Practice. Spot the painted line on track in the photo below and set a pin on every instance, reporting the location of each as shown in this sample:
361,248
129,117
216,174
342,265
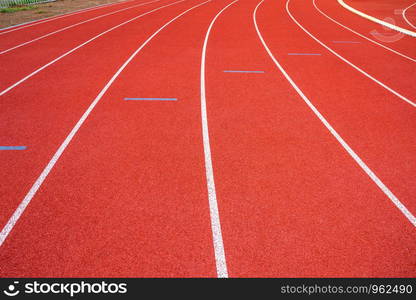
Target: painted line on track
404,15
340,140
347,61
13,147
151,99
81,45
361,35
74,25
368,17
56,17
39,181
219,252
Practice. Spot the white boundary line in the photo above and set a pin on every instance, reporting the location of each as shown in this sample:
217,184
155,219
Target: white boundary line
74,25
351,152
347,61
29,196
404,15
219,252
56,17
361,35
386,24
79,46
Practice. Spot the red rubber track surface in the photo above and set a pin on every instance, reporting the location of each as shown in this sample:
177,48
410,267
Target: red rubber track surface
288,213
126,226
48,109
390,38
47,49
128,197
399,74
383,121
387,10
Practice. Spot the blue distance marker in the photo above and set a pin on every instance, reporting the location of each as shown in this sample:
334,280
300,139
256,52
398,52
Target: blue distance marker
304,54
12,147
346,42
150,99
231,71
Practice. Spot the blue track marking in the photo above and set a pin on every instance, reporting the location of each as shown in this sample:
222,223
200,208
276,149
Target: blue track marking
304,54
232,71
150,99
12,147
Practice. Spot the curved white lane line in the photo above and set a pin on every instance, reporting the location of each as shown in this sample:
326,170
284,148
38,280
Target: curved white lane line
347,61
79,46
361,35
219,252
404,15
53,18
29,196
344,144
386,24
74,25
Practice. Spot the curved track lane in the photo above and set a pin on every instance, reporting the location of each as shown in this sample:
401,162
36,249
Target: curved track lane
390,38
287,190
208,140
147,215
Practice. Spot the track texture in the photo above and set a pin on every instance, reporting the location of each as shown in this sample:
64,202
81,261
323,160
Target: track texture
114,188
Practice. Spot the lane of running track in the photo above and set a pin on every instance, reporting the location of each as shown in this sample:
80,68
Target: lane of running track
42,111
390,38
129,197
23,26
36,55
15,37
396,72
78,15
376,37
292,201
378,123
37,22
389,10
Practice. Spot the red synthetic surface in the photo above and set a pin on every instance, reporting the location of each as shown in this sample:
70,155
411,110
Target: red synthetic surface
128,197
45,50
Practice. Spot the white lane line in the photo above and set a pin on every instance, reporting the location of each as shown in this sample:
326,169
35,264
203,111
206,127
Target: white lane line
361,35
347,61
81,45
53,18
29,196
368,17
404,15
74,25
219,252
344,144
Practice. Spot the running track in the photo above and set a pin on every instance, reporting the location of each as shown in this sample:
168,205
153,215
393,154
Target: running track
276,143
